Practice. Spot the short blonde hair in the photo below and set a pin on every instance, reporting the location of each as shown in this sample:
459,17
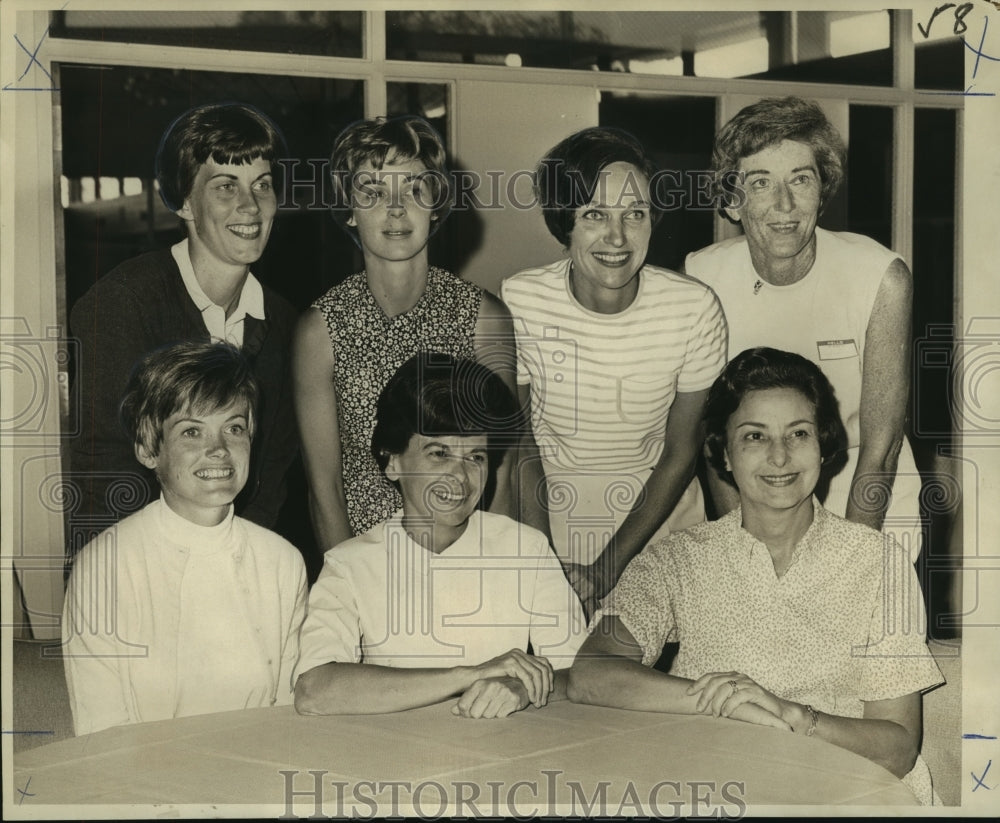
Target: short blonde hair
185,375
384,140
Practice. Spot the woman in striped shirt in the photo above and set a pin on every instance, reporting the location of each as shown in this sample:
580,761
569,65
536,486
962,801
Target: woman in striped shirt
615,358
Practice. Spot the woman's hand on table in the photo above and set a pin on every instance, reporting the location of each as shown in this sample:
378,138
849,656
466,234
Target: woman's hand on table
733,694
534,673
492,697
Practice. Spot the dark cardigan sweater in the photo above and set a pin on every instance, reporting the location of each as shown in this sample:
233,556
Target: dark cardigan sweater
138,306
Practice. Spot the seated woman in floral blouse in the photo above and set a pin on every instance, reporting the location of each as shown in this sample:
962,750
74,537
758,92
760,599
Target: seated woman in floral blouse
786,615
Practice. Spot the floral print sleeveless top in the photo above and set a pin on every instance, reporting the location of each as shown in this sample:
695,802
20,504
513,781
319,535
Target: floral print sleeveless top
368,348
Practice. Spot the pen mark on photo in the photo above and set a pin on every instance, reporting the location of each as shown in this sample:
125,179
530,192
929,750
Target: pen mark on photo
32,61
980,54
980,780
25,793
978,737
959,25
959,30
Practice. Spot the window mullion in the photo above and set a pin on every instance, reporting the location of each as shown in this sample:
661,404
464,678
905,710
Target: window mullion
376,95
902,159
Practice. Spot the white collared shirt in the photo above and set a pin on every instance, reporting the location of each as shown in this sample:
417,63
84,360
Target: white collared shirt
382,598
220,327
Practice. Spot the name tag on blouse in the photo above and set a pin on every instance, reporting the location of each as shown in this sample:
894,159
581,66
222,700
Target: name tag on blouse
836,349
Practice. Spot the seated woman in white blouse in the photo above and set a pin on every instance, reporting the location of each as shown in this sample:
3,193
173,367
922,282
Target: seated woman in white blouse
786,614
183,608
442,599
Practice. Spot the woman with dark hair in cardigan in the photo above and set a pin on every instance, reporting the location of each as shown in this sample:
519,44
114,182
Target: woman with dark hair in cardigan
215,170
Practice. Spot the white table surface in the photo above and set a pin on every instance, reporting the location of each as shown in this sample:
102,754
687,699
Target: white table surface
562,759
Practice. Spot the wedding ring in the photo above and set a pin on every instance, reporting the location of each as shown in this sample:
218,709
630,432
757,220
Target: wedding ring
735,688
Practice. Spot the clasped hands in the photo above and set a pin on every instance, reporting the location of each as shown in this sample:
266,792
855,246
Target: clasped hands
589,582
506,684
735,695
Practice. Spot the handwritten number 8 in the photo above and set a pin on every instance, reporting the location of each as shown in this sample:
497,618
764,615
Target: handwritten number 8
960,14
960,26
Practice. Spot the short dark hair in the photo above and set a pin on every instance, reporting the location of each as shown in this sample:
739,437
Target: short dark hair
567,177
382,140
765,368
235,133
437,394
195,375
768,122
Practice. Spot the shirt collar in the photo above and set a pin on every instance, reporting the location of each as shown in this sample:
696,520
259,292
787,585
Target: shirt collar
191,537
251,300
743,541
467,545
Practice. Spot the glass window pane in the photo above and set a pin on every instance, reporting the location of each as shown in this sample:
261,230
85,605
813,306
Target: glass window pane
933,415
934,174
940,65
549,39
329,33
869,172
939,57
428,100
747,57
858,33
683,157
829,47
640,42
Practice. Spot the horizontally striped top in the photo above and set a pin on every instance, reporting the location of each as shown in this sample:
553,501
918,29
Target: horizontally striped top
602,384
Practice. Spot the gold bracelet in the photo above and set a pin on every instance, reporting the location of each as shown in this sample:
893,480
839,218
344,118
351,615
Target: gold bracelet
813,717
